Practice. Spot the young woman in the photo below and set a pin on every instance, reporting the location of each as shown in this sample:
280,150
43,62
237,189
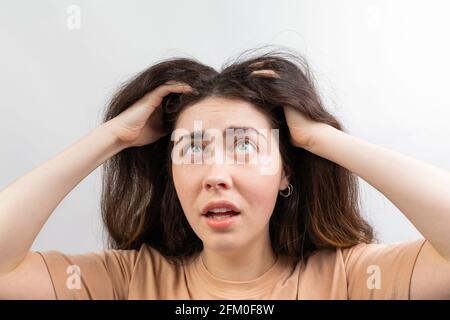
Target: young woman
187,220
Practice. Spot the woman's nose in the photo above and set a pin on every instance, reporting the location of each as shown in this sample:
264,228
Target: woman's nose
217,178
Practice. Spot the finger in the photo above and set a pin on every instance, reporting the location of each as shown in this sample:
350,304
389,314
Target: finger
155,97
266,72
165,89
174,83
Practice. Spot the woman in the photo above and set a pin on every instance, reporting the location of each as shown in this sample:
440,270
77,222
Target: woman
236,184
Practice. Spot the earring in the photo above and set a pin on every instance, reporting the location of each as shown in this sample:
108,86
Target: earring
290,190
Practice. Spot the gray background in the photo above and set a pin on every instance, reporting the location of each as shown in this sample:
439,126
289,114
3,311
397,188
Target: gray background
382,69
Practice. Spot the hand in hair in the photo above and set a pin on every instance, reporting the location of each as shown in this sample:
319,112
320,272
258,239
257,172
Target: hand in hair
302,130
140,124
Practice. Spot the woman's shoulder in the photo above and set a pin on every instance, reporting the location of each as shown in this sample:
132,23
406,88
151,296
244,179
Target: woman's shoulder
360,258
104,274
367,270
364,250
382,251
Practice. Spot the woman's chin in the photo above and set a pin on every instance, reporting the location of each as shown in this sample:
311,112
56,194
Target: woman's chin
222,245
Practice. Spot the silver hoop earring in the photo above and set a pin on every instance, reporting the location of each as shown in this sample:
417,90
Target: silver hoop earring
290,190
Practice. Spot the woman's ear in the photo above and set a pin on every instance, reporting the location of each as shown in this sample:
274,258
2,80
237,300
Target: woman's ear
284,181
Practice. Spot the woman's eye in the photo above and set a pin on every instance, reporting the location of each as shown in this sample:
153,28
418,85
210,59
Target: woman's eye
245,145
196,148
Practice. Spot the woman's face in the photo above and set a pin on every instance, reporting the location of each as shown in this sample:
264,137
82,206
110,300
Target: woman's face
229,167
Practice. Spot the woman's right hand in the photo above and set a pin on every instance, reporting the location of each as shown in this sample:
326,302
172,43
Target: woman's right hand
141,123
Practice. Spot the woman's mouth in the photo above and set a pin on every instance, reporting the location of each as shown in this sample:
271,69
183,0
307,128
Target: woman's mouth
222,219
220,214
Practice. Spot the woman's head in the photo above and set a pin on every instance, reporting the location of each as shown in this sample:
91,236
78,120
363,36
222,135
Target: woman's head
149,196
230,166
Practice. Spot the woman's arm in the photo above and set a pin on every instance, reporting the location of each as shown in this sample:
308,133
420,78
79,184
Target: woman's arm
26,204
421,191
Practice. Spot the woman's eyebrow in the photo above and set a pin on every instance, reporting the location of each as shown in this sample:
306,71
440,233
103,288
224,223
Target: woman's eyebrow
244,128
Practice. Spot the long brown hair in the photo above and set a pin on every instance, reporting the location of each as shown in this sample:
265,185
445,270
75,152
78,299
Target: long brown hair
139,201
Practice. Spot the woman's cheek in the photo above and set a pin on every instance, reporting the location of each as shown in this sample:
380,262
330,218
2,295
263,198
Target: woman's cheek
262,196
183,187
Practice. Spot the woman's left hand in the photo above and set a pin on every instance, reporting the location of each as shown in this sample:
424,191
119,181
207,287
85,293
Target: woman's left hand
303,131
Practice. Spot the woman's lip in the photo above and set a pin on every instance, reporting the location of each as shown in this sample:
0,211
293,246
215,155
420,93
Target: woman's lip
220,204
221,224
210,213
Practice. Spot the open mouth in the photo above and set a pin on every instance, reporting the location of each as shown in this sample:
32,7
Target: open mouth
221,215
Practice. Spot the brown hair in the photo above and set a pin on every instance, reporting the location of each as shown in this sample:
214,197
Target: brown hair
139,201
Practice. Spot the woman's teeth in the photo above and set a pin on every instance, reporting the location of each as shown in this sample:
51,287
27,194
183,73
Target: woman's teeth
218,210
220,217
221,213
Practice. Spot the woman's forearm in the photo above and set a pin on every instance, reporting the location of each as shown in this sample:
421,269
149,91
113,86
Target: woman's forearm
26,204
419,190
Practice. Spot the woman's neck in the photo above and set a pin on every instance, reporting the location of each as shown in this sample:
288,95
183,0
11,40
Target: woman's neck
243,265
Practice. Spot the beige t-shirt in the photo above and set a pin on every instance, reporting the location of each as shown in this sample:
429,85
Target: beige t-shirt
364,271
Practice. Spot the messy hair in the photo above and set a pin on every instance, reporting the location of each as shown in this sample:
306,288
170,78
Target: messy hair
139,202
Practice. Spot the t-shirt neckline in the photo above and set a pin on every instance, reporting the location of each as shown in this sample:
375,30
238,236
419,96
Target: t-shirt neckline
246,288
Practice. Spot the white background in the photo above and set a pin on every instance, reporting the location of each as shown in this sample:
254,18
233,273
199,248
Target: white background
382,68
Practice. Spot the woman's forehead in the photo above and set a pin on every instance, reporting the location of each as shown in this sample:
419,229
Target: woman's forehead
221,113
